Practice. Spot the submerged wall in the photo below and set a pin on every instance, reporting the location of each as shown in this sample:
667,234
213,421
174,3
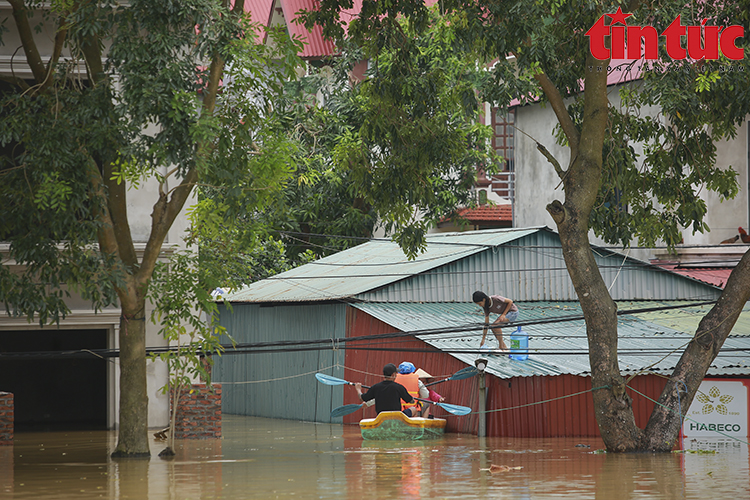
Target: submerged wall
6,418
199,413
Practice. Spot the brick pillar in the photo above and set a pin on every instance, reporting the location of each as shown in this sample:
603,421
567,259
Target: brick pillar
199,413
6,418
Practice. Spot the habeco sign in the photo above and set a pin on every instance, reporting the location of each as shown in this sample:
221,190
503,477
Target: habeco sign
635,42
718,410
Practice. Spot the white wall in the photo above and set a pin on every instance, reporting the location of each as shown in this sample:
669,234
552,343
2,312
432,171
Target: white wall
537,184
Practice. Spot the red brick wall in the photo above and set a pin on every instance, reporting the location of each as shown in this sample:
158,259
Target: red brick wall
199,413
6,418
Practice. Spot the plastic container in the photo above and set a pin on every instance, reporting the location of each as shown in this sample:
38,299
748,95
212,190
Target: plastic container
519,345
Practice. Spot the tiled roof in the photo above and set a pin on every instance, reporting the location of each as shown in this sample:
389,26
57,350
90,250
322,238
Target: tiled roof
488,213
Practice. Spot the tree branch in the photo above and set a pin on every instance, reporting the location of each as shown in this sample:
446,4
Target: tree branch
107,240
25,32
165,212
540,147
561,112
60,35
117,204
14,80
92,54
107,235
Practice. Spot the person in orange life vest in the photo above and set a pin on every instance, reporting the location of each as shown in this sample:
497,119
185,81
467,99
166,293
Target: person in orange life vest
426,392
408,377
387,394
496,304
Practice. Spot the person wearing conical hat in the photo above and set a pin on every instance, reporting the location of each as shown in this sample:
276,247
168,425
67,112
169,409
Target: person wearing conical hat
427,393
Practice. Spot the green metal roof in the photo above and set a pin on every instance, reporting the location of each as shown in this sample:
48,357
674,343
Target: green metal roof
560,347
369,266
526,264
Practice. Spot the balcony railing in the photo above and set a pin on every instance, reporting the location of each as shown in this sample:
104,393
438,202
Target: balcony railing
504,185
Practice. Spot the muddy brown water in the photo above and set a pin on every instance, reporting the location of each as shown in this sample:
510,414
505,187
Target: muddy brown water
267,458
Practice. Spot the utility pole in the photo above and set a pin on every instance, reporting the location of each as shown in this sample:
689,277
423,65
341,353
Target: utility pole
481,364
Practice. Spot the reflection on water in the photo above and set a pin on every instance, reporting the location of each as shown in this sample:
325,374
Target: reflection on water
265,458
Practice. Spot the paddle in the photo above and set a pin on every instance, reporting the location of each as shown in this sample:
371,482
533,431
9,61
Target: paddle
461,374
329,380
351,408
345,410
454,409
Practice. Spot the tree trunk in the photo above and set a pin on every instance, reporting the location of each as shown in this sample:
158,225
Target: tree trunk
664,425
614,413
132,439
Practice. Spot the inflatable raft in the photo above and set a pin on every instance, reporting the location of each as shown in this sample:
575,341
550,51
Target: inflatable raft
394,425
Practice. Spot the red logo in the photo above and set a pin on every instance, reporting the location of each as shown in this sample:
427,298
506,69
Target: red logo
703,42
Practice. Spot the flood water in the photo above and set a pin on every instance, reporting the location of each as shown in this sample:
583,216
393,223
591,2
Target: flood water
267,458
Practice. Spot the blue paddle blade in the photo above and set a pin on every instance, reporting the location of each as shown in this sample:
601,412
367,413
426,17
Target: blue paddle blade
454,409
467,372
345,410
461,374
329,380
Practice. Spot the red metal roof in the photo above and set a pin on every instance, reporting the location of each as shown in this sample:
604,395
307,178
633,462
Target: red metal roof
716,276
260,12
316,45
488,213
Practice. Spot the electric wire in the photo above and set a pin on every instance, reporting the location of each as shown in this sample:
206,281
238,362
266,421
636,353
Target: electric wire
357,342
365,239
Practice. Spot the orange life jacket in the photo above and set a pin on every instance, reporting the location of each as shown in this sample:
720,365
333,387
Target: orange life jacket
411,382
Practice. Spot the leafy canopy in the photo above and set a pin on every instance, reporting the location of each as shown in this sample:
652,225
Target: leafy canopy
656,163
74,143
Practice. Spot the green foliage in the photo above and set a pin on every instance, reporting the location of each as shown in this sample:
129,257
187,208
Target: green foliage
148,128
656,165
413,152
186,315
188,319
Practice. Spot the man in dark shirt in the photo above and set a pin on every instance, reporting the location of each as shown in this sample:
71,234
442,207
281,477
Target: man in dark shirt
388,393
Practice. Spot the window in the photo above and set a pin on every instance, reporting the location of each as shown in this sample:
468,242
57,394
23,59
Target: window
503,121
482,198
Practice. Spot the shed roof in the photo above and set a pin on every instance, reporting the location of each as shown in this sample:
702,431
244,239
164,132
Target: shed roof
524,263
650,341
369,266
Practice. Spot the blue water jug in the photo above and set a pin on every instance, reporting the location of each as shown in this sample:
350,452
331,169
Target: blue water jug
519,345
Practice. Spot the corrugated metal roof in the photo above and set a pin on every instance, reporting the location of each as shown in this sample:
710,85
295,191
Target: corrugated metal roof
523,263
645,339
260,13
370,266
714,276
315,45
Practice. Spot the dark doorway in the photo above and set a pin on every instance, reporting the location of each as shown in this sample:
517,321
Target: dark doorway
51,389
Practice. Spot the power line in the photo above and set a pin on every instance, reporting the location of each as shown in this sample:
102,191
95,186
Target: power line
488,245
341,343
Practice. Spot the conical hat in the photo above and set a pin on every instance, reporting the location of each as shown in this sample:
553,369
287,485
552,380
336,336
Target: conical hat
422,374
